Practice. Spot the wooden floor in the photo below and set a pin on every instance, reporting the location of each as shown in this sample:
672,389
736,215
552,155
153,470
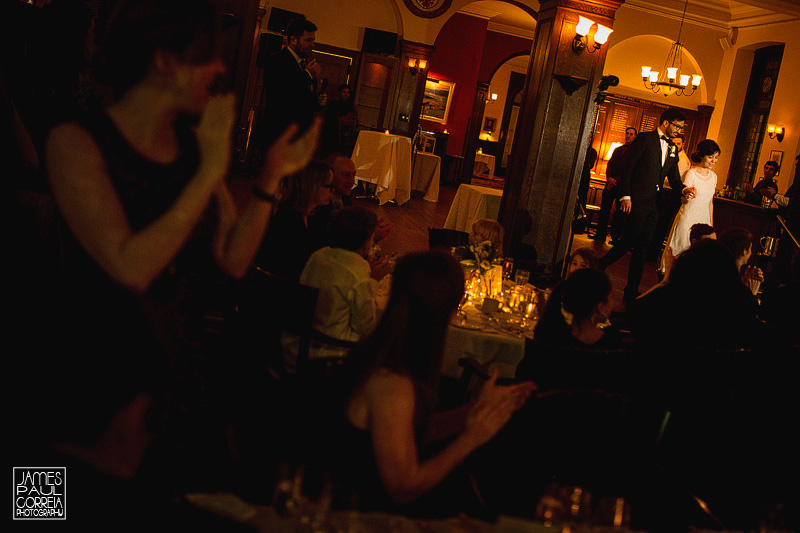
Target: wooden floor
410,234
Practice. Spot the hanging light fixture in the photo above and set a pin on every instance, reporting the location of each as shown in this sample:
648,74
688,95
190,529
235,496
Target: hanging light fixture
671,80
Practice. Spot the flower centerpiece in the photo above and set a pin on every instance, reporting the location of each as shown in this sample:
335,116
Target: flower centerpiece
478,260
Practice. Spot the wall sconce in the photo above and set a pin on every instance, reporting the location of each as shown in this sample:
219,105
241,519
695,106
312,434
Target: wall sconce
415,66
581,40
491,98
775,132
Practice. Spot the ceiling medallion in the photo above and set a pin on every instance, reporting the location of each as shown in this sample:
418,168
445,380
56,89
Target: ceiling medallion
428,8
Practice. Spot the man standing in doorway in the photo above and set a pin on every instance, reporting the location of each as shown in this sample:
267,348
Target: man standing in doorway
613,170
651,158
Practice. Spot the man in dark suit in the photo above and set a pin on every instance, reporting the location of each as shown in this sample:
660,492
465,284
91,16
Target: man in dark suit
613,169
651,158
290,84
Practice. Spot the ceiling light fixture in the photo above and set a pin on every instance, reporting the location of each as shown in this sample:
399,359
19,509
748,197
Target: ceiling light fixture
670,80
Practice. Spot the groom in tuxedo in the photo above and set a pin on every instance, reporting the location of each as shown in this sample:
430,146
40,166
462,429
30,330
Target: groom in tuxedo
651,158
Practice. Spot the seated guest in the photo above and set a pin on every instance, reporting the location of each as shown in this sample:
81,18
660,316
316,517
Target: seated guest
701,231
576,314
344,179
697,232
289,242
739,243
582,258
485,229
389,411
704,281
346,281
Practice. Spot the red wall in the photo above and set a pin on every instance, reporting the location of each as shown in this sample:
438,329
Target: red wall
467,53
457,57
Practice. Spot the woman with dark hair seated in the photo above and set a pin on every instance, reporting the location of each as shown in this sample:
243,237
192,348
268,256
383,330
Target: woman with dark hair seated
576,315
390,410
289,242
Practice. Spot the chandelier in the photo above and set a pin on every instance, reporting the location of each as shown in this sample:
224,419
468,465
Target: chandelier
671,80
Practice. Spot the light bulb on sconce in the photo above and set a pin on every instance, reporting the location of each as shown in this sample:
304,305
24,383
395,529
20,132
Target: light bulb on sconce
415,66
492,98
581,40
775,131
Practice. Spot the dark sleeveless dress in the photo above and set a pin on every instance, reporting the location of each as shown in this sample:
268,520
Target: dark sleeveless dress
177,303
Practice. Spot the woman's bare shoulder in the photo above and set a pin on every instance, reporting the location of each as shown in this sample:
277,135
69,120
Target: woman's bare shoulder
385,382
71,139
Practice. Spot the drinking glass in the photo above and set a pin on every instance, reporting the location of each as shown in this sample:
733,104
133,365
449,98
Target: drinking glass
522,277
508,267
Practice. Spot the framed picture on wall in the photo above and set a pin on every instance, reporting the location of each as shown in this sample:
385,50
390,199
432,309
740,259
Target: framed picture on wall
776,155
436,99
489,123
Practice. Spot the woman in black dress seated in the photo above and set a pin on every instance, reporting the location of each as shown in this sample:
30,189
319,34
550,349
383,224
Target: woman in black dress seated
289,242
389,412
576,315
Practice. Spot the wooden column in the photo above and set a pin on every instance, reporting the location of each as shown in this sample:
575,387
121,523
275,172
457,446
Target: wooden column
408,101
554,127
474,130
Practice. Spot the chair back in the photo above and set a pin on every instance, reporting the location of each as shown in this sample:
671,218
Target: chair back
446,238
274,305
427,143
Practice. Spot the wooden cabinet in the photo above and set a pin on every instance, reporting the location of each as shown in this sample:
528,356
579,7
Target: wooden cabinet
376,85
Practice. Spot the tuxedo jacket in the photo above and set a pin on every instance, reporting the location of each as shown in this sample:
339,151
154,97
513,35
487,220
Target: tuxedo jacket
289,95
642,172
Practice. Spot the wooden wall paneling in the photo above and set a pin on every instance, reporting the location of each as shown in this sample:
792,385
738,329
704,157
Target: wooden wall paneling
339,65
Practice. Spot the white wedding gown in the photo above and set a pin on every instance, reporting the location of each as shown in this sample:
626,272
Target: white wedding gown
694,211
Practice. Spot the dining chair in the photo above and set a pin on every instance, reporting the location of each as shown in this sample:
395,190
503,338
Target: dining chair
446,238
274,305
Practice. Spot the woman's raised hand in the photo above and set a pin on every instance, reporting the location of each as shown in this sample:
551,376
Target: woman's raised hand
213,134
495,406
290,153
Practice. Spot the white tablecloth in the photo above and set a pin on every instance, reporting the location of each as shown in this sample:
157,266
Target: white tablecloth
501,350
470,203
425,177
484,165
384,160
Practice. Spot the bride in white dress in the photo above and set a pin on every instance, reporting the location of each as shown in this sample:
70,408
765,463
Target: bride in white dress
699,209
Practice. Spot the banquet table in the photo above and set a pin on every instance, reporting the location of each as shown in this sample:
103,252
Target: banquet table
425,176
384,160
495,348
471,203
484,166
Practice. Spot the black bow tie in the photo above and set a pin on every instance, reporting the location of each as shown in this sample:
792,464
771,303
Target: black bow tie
664,138
303,64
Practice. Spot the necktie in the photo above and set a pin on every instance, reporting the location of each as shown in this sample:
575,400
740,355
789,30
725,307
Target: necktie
303,64
664,138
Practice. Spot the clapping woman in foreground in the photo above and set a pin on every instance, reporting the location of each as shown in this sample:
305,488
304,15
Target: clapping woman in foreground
390,411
